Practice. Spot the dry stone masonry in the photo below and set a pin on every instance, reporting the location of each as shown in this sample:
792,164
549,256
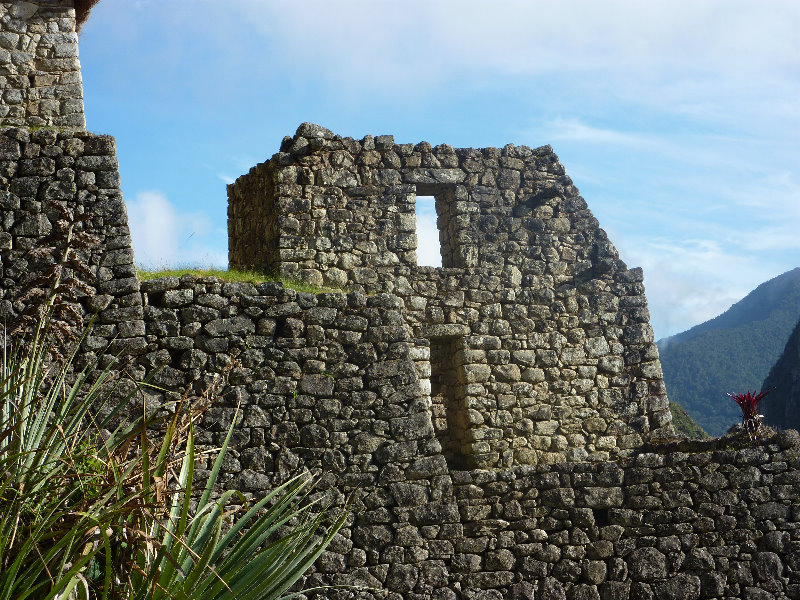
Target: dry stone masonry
499,422
331,382
40,73
38,168
535,334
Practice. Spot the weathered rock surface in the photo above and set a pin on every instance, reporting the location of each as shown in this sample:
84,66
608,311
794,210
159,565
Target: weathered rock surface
39,67
534,337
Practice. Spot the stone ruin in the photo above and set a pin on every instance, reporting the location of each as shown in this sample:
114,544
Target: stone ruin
533,337
497,421
40,74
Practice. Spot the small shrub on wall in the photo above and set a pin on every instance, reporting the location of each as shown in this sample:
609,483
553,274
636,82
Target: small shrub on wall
82,10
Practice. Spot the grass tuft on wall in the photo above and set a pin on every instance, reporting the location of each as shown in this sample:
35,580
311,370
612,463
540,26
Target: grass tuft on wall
236,276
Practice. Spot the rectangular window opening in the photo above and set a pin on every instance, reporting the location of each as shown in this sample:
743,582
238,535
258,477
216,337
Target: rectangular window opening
429,250
435,233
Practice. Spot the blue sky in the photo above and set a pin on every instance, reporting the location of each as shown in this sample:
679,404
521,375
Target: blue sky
679,121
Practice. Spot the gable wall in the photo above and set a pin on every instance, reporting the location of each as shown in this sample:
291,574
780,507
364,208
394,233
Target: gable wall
553,353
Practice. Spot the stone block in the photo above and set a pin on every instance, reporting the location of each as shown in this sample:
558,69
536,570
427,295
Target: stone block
647,564
413,427
682,586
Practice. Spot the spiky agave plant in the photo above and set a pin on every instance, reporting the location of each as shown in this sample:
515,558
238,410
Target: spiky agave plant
191,555
751,419
50,502
88,516
84,518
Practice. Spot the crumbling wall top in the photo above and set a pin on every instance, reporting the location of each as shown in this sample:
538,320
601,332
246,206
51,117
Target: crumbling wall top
83,9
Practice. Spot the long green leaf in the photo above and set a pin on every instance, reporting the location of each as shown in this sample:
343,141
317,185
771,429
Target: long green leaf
212,479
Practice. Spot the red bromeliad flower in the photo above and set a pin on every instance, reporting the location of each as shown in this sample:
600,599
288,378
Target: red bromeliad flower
749,404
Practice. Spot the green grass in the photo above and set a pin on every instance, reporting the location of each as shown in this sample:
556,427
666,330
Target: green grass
236,276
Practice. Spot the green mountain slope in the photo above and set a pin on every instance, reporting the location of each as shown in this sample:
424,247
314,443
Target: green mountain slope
782,407
684,425
730,353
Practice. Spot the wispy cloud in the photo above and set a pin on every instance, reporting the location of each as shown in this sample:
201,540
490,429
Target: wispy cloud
691,280
698,147
670,53
165,237
574,130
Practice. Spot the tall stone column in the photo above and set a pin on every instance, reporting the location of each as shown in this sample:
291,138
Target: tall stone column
40,74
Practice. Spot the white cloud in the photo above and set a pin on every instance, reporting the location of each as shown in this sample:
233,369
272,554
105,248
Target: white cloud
575,130
153,221
721,212
163,237
692,280
701,150
774,193
673,53
681,32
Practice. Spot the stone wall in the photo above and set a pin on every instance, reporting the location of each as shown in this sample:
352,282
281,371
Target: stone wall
78,170
40,74
334,210
543,372
528,355
335,382
679,521
549,353
523,374
253,225
490,412
326,381
360,388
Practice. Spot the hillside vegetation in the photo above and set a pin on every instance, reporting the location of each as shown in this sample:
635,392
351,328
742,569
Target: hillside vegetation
782,407
684,425
731,353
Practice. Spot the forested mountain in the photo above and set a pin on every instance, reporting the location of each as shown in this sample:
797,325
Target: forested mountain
684,424
782,407
731,353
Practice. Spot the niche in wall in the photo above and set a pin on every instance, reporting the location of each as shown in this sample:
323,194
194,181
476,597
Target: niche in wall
447,401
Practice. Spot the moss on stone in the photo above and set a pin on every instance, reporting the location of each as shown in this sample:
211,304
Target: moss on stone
235,276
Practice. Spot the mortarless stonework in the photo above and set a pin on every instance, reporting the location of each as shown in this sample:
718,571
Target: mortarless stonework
528,355
80,170
538,329
40,74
